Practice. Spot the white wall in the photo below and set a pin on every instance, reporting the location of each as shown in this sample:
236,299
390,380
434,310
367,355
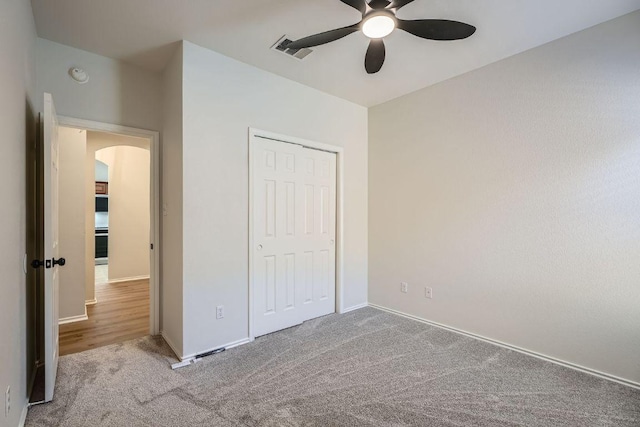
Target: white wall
222,99
513,191
171,266
72,152
129,212
102,172
17,79
90,218
116,93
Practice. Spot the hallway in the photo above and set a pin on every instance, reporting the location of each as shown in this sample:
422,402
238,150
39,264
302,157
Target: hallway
121,314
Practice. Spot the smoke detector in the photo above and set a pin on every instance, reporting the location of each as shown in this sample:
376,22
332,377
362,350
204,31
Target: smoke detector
79,75
281,46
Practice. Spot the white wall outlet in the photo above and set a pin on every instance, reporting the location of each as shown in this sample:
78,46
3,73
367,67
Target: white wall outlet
7,402
404,287
220,312
428,292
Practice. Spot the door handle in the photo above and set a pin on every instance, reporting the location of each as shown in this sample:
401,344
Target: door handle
36,263
259,247
61,262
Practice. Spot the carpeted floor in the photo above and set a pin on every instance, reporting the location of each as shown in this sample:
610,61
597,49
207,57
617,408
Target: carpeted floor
364,368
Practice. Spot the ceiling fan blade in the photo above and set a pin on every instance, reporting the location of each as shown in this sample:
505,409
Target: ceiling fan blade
397,4
378,4
360,5
375,56
437,29
322,38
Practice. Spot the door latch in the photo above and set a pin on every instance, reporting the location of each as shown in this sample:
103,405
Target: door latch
48,263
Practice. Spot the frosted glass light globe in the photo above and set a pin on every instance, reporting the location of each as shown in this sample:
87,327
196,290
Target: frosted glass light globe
378,26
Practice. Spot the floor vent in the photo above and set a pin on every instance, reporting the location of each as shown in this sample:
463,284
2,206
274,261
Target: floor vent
281,46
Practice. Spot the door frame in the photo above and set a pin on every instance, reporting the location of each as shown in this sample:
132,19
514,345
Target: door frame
255,134
154,235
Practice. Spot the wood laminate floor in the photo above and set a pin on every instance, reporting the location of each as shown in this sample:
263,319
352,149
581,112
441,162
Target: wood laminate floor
121,314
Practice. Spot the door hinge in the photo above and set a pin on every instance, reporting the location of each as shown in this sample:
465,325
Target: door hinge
151,246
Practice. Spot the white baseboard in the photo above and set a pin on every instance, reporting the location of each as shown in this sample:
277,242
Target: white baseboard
189,360
74,319
355,307
23,416
227,346
544,357
91,301
238,343
128,279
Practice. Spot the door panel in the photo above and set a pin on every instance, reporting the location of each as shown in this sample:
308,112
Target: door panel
294,209
50,166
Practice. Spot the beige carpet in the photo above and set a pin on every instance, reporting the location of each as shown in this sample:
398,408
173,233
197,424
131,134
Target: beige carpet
365,368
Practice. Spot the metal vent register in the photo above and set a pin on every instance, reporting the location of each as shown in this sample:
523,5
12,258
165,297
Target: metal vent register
281,46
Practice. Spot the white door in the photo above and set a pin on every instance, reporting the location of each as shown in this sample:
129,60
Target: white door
51,256
294,232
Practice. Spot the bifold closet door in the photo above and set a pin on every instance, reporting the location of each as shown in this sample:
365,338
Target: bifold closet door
294,234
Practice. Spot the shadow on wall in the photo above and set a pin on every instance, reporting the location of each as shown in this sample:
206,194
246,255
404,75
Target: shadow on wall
155,59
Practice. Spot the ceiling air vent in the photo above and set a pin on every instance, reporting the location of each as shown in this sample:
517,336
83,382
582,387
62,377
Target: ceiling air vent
281,46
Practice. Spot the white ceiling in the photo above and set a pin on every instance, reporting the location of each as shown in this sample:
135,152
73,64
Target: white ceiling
144,32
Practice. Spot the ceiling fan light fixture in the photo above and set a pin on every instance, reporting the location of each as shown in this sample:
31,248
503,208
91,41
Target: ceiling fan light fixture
378,25
378,21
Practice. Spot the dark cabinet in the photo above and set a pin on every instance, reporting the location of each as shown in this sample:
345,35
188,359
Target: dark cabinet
102,245
102,204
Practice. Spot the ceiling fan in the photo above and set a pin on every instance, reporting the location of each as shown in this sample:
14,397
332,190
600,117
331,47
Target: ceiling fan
378,21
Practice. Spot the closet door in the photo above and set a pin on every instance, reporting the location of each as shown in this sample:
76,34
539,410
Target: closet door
294,232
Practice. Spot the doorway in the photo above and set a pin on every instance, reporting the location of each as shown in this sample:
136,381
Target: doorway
295,267
47,261
104,223
120,295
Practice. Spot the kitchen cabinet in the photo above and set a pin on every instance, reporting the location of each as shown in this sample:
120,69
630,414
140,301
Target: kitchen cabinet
102,187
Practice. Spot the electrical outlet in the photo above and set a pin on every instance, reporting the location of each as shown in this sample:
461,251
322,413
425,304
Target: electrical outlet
428,292
7,402
404,287
220,312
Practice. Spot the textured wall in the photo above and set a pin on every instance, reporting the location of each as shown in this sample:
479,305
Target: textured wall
17,136
223,98
71,199
172,254
514,192
116,93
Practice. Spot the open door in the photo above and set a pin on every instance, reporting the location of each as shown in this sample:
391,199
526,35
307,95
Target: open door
51,260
